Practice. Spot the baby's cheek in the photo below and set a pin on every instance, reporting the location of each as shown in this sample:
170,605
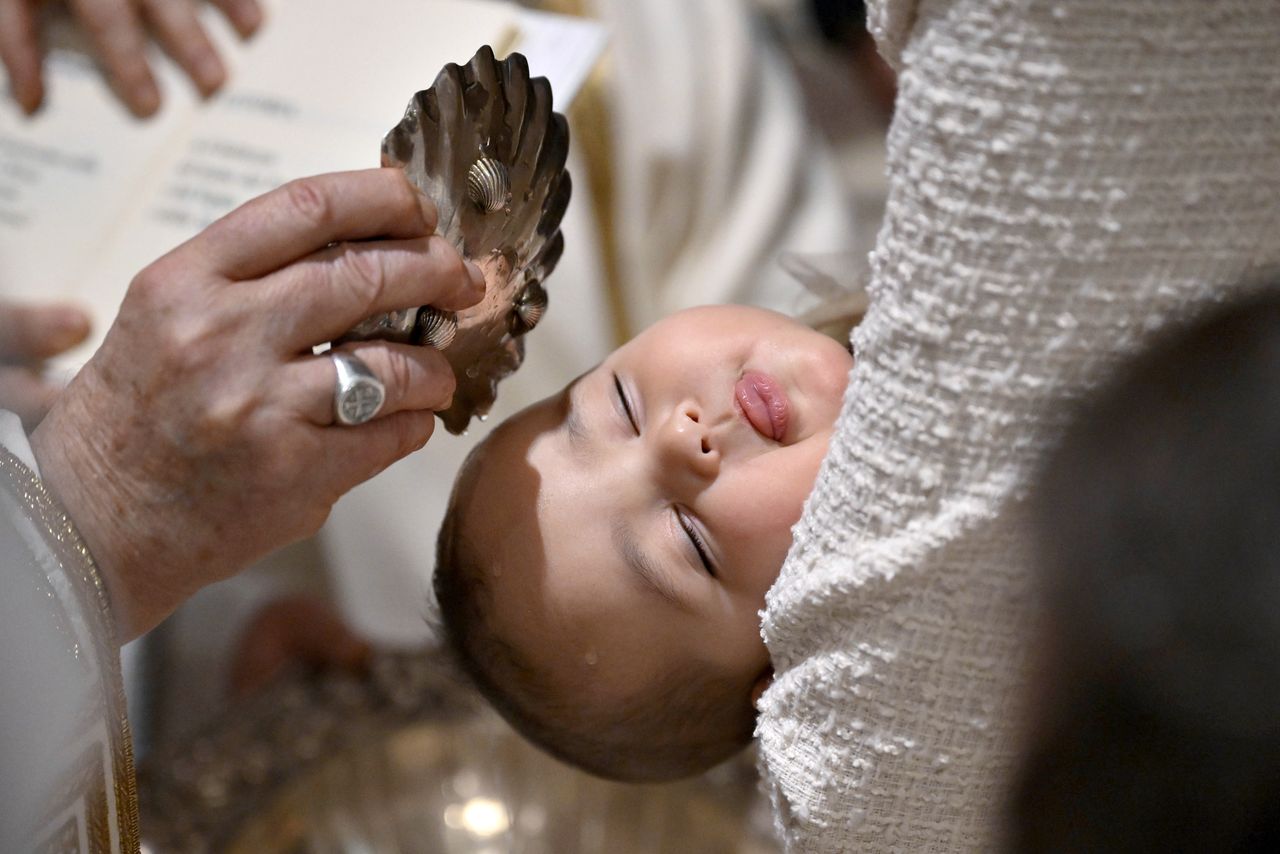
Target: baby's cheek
758,535
775,489
757,504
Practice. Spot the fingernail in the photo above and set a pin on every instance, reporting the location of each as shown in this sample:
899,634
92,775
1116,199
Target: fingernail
247,16
210,73
427,203
477,276
28,96
146,97
67,327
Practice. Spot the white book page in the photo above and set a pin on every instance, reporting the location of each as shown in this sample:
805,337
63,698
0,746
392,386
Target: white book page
314,91
69,173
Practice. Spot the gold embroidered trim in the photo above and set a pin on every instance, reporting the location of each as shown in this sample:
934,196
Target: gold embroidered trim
72,556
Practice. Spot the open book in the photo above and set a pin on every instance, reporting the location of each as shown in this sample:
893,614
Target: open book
89,196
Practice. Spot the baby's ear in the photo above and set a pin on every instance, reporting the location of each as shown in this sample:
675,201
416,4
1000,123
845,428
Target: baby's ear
762,682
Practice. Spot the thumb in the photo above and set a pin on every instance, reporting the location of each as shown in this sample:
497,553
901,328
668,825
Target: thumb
29,333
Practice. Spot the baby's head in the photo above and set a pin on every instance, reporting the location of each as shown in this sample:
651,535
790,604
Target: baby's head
606,553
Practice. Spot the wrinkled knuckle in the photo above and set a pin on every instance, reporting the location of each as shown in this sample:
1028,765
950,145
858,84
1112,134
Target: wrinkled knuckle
223,423
365,276
149,283
191,344
173,343
309,203
400,375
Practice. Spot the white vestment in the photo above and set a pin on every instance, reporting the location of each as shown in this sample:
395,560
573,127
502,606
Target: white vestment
66,757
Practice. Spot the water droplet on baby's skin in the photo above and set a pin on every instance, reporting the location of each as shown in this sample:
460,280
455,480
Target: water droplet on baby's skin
591,658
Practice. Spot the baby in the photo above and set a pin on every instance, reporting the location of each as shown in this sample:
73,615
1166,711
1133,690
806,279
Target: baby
606,553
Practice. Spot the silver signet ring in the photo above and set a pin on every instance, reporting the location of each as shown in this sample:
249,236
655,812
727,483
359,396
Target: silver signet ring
357,394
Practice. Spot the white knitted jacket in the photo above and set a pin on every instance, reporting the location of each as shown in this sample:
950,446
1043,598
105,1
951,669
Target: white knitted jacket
1066,176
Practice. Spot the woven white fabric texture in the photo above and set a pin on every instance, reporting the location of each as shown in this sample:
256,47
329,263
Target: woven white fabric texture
1066,176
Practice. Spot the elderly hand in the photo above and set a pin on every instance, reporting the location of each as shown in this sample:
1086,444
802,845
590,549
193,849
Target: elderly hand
201,435
29,334
118,29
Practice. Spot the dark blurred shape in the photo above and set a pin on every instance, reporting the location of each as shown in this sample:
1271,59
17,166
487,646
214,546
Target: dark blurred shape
1157,724
843,24
840,21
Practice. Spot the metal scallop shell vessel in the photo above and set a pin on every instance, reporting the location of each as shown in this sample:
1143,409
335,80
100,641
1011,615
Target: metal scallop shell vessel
486,145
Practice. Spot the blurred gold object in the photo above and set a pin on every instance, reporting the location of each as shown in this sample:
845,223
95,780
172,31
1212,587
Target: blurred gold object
406,759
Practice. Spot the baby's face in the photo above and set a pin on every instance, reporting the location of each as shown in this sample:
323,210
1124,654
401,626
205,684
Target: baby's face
638,518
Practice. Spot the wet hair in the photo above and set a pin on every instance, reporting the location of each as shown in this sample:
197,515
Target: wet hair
692,721
1157,532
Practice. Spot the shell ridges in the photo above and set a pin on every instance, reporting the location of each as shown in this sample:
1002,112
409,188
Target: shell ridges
529,307
489,184
436,327
485,143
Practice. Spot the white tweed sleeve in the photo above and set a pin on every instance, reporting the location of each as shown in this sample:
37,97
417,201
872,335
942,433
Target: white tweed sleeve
1065,176
890,23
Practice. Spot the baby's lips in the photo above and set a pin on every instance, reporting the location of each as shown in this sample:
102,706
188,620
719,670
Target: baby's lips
764,404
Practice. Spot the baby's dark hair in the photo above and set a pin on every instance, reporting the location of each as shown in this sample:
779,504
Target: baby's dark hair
695,720
1157,527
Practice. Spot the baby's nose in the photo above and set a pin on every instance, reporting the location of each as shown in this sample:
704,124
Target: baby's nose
687,445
